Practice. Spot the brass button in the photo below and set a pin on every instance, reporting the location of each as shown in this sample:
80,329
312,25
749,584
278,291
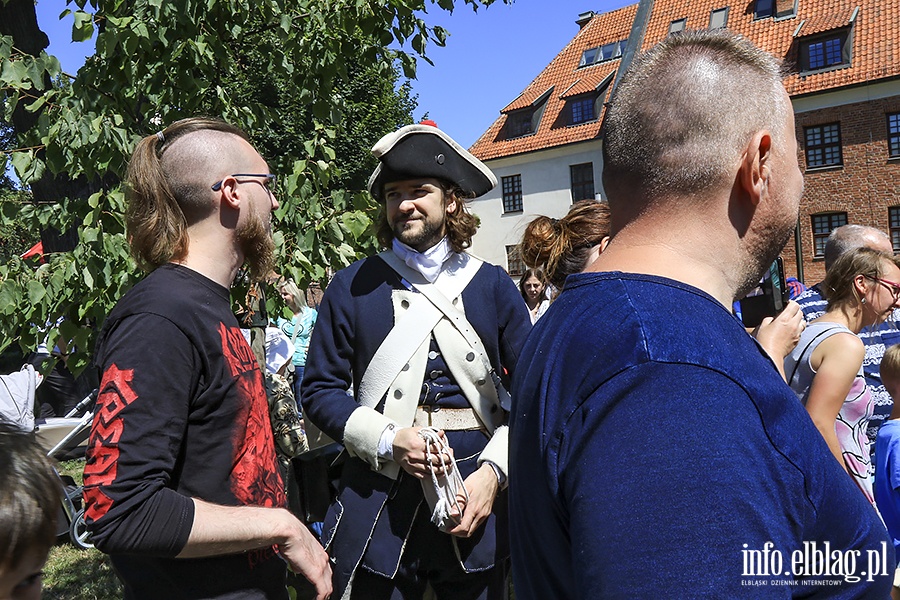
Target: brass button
470,356
435,374
398,394
481,382
404,303
405,367
433,355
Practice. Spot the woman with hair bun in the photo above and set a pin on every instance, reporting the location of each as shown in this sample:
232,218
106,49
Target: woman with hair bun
568,245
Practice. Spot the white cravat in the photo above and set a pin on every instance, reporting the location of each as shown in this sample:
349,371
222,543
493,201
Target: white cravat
427,263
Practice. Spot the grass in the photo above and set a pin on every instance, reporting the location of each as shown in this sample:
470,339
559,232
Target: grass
73,574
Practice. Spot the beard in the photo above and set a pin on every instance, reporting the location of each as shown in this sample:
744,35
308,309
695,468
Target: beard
772,238
254,239
429,234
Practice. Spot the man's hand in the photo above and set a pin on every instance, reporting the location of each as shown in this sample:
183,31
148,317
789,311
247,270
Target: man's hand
409,453
305,555
779,335
482,486
219,530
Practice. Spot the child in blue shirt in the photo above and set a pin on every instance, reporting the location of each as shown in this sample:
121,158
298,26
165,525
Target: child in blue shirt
887,457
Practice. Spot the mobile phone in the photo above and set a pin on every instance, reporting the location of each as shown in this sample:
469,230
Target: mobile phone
767,299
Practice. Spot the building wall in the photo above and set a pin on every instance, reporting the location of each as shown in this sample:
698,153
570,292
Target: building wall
546,190
865,185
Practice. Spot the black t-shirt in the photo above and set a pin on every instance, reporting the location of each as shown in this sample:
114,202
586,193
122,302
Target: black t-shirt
182,413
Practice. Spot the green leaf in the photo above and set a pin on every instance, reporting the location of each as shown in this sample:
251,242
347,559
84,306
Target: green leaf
35,291
83,27
21,161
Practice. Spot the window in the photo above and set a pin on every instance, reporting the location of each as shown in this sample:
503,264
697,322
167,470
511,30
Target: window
825,52
582,181
893,122
718,18
602,53
520,123
764,8
515,266
822,225
823,145
894,224
583,109
512,194
677,25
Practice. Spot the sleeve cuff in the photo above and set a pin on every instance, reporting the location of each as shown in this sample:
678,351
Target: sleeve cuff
497,452
363,433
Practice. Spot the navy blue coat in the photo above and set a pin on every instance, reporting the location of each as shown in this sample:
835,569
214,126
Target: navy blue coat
354,318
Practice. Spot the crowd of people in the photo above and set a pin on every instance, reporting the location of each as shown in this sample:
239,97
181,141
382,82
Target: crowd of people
609,429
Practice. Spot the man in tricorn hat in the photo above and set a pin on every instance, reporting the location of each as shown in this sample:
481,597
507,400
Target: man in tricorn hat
421,333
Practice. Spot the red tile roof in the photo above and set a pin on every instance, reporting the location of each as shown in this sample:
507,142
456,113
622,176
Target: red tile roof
561,73
822,23
526,99
875,54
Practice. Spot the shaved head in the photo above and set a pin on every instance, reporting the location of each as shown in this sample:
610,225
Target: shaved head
683,113
170,178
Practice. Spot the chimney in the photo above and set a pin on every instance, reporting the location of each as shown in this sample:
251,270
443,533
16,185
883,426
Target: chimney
583,19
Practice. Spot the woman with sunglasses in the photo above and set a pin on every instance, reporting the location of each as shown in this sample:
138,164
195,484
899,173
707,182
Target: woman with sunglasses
825,369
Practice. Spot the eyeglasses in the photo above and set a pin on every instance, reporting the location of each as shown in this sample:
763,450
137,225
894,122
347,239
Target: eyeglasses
269,179
893,288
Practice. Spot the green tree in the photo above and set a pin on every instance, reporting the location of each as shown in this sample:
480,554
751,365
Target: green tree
159,61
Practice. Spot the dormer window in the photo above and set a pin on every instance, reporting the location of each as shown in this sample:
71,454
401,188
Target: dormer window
524,114
520,123
583,98
824,52
677,25
780,9
764,8
602,53
718,18
584,109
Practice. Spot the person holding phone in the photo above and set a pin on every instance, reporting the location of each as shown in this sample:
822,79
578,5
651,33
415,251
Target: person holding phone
825,369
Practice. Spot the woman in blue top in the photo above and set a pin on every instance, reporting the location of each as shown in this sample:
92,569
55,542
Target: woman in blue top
299,328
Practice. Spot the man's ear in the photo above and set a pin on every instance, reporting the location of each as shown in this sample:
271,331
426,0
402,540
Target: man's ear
451,206
229,193
756,168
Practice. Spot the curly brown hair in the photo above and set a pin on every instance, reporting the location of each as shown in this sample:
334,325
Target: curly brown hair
562,246
461,224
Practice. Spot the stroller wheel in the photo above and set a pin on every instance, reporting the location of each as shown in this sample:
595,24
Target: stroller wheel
78,532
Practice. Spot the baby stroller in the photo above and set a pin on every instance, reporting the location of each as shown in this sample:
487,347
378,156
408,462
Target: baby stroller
62,436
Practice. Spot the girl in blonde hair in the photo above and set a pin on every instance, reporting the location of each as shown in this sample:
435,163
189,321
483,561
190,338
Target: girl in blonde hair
825,369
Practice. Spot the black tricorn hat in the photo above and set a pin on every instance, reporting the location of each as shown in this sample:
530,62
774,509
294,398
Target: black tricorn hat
425,151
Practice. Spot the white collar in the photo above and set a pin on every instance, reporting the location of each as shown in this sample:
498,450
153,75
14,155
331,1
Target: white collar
428,263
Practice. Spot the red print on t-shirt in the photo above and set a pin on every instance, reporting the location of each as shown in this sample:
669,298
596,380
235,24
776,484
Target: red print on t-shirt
103,448
254,479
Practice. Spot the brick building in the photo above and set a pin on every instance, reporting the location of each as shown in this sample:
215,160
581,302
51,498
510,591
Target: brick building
843,60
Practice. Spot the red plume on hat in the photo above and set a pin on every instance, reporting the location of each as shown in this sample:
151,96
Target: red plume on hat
427,122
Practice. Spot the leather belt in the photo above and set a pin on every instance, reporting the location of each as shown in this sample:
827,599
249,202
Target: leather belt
448,419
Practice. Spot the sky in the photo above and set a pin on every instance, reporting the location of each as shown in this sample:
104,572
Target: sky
490,56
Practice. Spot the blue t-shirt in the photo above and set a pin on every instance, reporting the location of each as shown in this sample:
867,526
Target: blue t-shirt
656,450
887,477
304,323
